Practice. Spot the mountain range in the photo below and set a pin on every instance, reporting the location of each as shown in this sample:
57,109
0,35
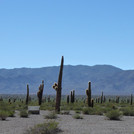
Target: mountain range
109,79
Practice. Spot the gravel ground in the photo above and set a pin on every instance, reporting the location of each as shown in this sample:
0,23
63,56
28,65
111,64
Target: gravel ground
90,124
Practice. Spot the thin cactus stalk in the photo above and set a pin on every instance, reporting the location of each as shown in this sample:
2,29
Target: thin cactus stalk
104,99
48,99
9,100
71,96
67,99
92,103
88,93
27,97
102,96
58,87
98,100
131,100
40,93
101,99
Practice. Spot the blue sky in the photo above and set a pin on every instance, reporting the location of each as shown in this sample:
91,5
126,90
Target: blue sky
36,33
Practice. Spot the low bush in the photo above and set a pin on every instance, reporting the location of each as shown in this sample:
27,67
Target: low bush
114,115
11,113
65,112
77,111
77,116
127,111
3,115
85,110
45,128
51,115
24,113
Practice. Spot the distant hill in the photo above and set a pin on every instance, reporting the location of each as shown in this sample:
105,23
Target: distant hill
106,78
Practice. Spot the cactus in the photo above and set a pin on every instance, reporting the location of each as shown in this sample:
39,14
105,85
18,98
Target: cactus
88,93
104,99
92,103
117,99
131,100
67,99
27,97
98,100
101,99
58,87
9,100
48,99
40,93
72,96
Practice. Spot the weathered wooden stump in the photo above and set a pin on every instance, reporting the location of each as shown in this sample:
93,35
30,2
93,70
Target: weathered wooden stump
34,109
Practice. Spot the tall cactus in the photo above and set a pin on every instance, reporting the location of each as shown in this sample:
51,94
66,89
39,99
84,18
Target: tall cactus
102,97
27,97
58,87
72,96
40,93
88,93
131,100
67,99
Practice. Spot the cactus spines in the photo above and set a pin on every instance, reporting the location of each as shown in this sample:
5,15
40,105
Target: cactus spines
67,99
88,93
58,87
40,93
131,100
27,97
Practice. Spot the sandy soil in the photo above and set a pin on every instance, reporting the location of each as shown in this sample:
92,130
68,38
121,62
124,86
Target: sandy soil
90,124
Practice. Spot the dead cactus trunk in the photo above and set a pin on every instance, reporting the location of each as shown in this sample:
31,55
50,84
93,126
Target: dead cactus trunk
27,97
58,87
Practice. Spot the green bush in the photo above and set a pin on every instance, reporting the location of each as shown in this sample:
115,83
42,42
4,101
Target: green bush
11,113
3,115
51,115
24,113
77,111
127,111
45,128
85,110
65,112
114,115
77,116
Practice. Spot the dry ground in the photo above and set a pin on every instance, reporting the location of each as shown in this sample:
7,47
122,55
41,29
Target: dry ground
90,124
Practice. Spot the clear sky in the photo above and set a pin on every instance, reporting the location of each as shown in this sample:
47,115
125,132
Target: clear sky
36,33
